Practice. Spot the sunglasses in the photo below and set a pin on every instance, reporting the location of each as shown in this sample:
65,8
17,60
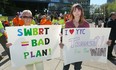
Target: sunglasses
27,17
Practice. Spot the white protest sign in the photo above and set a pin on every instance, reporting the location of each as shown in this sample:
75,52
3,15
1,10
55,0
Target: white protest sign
85,44
32,44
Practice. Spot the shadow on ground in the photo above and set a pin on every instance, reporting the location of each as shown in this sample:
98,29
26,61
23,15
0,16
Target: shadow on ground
113,61
3,62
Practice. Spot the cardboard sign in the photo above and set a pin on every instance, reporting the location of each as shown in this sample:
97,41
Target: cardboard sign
32,44
85,44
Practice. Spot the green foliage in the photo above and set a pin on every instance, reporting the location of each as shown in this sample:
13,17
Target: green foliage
7,7
3,3
109,7
104,9
112,7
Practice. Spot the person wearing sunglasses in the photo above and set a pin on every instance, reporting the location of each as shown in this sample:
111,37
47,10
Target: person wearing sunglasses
27,18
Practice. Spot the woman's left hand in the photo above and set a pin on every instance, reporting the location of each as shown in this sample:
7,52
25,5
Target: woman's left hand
8,45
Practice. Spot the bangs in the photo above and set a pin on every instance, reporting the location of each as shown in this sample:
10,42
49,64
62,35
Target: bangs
78,7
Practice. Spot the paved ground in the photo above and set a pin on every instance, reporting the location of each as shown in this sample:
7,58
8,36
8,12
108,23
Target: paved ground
57,64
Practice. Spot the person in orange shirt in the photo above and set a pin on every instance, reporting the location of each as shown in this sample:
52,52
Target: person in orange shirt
67,17
43,20
6,23
17,21
46,21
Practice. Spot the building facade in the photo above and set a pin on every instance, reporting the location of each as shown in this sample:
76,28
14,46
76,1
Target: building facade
109,1
51,5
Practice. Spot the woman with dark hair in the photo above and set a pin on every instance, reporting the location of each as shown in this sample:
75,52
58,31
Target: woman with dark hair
77,21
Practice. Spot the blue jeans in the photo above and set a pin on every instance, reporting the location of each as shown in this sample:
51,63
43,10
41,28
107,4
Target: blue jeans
77,66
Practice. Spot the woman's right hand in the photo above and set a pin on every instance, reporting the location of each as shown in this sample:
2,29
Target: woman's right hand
109,42
8,45
61,45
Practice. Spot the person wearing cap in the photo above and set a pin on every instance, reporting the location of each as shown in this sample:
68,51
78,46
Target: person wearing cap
112,36
27,18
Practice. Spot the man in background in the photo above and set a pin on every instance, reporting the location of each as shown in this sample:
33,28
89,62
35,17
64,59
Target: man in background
17,21
112,36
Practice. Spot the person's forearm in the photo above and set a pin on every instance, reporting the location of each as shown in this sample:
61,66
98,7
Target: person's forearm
2,30
6,35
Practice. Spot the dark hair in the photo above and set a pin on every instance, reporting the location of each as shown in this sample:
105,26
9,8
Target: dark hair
17,13
78,6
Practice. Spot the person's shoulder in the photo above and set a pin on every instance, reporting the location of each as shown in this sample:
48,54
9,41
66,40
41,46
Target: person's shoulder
86,24
69,21
110,20
19,18
14,19
1,25
69,24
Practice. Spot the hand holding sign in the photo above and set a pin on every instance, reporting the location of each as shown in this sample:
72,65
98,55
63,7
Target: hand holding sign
33,43
8,45
85,44
61,45
109,42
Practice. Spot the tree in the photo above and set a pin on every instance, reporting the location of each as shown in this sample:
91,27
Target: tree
3,4
112,7
108,8
7,7
94,10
